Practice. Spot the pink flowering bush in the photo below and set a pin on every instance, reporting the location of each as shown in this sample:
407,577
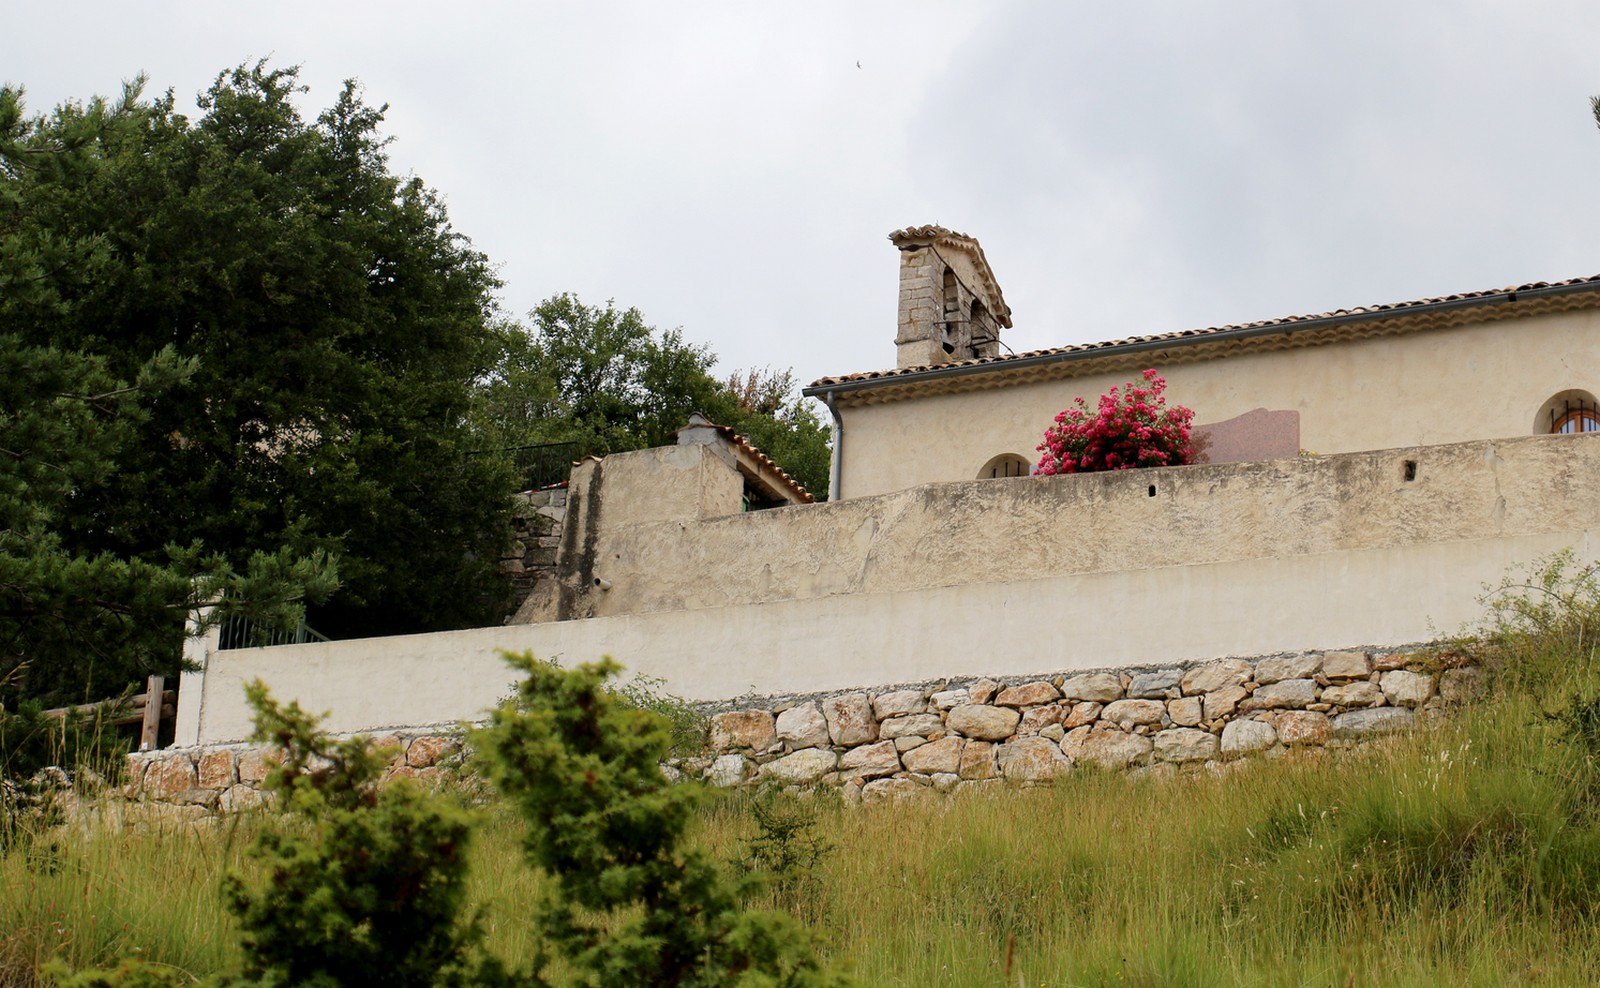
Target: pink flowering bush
1133,427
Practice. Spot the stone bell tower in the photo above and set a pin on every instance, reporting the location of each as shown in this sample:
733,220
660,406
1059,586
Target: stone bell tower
950,304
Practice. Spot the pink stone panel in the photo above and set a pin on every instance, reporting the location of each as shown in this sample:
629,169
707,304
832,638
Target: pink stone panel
1257,435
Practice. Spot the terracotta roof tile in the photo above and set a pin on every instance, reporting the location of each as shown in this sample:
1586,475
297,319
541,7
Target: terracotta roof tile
1200,335
748,448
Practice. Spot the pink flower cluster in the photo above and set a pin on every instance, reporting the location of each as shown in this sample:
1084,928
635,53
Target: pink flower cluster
1132,428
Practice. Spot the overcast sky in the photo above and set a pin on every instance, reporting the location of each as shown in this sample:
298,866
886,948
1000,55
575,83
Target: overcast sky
733,168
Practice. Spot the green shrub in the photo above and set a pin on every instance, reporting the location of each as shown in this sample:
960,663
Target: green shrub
365,884
629,904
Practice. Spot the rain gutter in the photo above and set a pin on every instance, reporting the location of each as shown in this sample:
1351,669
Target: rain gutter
828,391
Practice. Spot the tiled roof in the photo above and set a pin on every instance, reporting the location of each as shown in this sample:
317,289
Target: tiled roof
1391,310
765,462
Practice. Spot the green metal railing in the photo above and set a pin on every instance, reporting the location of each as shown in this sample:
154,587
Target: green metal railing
238,632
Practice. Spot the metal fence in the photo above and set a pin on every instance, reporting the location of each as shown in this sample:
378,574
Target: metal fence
239,632
543,464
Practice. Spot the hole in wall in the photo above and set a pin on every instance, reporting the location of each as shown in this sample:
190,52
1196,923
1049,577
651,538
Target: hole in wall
1408,472
1152,490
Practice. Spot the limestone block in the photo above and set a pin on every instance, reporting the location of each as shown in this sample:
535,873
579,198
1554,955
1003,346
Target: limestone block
942,756
1358,694
945,781
1039,718
1385,663
850,720
801,768
1072,743
890,791
1083,713
1111,750
133,770
1223,702
170,777
945,699
909,742
1127,713
239,798
751,730
1185,744
978,761
197,797
983,690
1460,685
1407,689
803,727
983,722
1288,694
1032,760
727,771
1158,685
1101,687
1375,720
1242,736
899,703
870,761
1186,711
215,770
908,726
1027,695
163,815
426,752
1299,727
1214,676
1054,732
1278,669
1345,665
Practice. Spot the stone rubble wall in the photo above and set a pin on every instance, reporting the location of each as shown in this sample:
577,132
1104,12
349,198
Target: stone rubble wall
222,779
529,559
953,736
956,735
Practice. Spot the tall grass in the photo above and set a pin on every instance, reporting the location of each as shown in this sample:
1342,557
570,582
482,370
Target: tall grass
1465,853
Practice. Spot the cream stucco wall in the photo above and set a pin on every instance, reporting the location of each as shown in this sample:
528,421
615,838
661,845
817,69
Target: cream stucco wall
1480,381
998,578
1001,531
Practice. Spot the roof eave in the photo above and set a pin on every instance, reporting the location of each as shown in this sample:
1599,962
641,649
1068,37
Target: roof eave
1279,327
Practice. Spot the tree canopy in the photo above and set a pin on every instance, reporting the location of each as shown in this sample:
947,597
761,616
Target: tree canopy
240,355
605,380
322,327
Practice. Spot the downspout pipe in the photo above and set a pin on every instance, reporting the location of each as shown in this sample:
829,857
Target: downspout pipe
836,467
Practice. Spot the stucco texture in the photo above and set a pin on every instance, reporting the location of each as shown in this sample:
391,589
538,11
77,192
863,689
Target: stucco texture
1447,385
996,578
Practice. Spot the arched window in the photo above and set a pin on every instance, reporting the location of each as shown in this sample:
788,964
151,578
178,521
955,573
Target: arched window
1006,465
1582,419
1568,413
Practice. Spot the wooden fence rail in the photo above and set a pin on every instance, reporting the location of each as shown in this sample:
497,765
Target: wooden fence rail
135,709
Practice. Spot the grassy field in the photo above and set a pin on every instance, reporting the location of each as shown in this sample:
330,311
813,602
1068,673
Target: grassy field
1464,854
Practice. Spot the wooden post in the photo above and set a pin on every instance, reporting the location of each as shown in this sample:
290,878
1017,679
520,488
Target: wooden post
152,713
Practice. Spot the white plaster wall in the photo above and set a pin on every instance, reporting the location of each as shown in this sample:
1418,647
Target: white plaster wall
992,578
1158,616
1438,386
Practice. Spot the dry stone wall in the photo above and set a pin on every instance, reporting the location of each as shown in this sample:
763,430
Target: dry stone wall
961,734
223,779
956,735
